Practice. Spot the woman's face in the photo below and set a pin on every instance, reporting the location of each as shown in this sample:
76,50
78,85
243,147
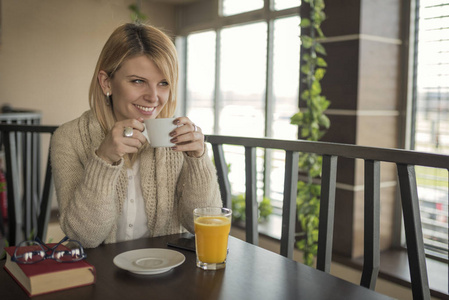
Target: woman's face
138,89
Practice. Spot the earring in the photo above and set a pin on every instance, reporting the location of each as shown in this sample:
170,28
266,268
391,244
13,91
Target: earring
108,99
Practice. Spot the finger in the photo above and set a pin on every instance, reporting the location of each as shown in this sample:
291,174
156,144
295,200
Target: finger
138,124
196,128
185,129
133,123
188,137
133,141
181,121
192,147
136,135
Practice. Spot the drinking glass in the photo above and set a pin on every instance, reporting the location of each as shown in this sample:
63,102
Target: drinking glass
212,227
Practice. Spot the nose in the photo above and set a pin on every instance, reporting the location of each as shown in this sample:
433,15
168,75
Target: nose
151,94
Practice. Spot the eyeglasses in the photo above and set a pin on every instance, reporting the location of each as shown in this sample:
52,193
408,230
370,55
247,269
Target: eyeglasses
30,252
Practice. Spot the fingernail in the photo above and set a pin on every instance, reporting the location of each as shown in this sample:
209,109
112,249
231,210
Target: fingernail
174,140
172,133
173,148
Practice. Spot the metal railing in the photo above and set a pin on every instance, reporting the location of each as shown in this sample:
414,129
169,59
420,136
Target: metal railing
405,162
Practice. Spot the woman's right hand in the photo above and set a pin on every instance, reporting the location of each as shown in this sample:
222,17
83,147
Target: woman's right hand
115,145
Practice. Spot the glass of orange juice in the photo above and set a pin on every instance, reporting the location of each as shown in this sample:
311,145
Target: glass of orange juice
212,227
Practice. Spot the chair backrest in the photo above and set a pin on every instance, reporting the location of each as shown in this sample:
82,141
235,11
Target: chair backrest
29,197
405,161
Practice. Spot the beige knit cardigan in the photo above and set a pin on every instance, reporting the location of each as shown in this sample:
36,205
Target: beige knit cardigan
91,192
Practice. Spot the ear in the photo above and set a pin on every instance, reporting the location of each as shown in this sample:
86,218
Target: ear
104,81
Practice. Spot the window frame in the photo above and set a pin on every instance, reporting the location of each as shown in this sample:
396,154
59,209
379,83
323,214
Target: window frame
218,23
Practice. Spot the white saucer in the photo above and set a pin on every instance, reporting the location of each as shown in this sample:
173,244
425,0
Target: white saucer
149,261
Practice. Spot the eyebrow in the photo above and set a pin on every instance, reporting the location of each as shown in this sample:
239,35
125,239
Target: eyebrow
130,76
140,77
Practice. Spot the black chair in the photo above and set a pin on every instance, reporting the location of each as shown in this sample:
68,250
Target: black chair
29,197
405,162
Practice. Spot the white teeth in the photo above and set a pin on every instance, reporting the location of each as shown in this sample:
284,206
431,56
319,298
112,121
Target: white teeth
144,108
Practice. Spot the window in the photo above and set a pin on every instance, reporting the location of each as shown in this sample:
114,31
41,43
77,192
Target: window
284,4
243,79
431,119
233,7
201,79
286,45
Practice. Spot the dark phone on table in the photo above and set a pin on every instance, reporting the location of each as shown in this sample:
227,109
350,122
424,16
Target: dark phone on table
183,243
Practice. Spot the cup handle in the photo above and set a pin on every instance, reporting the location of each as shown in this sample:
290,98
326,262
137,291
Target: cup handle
145,133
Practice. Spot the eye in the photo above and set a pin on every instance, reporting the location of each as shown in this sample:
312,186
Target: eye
138,81
164,83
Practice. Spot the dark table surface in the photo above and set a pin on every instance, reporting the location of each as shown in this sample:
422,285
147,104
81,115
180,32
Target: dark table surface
251,273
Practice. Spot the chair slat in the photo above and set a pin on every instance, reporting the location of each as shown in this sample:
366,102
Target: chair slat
27,152
13,181
222,174
371,255
413,231
327,210
251,204
45,206
289,203
28,204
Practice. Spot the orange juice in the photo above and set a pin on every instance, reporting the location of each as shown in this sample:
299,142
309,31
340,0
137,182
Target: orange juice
211,234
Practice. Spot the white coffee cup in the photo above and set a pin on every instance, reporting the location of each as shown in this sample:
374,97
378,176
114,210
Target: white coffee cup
158,131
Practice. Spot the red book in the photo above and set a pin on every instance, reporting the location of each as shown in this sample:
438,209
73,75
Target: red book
49,275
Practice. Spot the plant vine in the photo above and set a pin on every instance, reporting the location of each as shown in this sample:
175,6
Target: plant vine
136,13
313,124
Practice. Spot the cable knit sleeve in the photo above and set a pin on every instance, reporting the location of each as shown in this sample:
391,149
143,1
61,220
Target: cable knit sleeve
85,188
197,187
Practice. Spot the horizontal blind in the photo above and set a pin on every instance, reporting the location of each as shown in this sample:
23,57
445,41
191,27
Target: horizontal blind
431,128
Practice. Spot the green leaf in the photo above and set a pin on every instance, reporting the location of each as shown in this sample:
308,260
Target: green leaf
305,95
301,244
305,69
319,73
305,132
306,57
304,23
316,88
324,121
296,119
324,103
320,49
321,62
136,15
319,4
307,41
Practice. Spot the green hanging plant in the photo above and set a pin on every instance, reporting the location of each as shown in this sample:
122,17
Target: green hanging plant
312,124
136,14
238,208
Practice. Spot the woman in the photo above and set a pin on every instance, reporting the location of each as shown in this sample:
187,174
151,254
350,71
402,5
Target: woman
110,184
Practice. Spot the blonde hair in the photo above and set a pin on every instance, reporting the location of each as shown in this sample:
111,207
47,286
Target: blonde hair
128,41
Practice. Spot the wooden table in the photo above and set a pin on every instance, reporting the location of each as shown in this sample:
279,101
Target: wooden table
251,273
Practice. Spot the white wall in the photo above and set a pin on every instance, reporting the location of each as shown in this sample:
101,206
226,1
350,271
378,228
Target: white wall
49,49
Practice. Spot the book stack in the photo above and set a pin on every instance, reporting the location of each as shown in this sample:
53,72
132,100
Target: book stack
49,275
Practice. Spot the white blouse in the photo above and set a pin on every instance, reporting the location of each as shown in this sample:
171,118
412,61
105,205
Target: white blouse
133,222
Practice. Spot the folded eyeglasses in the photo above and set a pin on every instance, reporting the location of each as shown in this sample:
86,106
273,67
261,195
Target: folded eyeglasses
30,252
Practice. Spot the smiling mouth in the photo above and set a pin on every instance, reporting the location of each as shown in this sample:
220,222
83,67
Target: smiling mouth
146,108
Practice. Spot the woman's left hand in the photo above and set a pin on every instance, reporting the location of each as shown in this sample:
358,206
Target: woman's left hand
187,137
